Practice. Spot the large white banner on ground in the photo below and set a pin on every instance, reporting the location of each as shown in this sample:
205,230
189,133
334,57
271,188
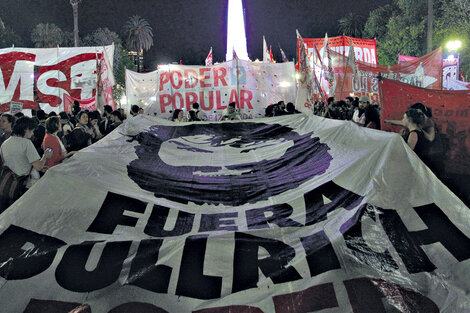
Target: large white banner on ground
289,214
38,78
252,86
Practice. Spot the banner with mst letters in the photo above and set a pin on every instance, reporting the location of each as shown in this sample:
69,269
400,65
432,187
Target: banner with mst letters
252,86
39,78
288,215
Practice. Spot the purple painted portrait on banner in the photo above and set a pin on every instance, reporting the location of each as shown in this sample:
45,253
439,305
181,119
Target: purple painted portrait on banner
225,163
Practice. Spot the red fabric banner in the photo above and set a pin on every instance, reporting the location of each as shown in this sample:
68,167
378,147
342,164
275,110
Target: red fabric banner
405,58
85,104
39,78
451,112
425,72
364,49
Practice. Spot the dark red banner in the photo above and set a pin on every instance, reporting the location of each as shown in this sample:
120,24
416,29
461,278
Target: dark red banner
425,72
451,112
364,49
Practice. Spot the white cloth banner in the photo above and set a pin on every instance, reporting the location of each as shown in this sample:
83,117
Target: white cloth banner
252,86
286,214
454,84
39,78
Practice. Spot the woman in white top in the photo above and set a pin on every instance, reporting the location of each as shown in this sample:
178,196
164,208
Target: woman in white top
20,155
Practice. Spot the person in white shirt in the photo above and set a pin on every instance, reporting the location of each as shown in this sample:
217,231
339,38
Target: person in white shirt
20,155
230,113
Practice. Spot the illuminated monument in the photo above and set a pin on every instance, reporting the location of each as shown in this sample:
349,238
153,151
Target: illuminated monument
236,38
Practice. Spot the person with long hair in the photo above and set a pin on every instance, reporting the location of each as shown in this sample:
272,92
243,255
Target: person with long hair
435,150
414,121
178,116
429,126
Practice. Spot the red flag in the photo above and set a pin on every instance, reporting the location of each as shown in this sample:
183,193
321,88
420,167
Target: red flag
462,78
181,62
234,54
271,54
209,58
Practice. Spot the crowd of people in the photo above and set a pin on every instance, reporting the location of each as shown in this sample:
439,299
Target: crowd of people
29,146
419,129
358,110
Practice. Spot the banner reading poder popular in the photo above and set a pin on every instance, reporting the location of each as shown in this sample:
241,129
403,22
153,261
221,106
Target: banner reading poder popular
252,86
39,78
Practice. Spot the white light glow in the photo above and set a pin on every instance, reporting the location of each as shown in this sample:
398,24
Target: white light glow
236,38
124,100
284,84
454,45
298,76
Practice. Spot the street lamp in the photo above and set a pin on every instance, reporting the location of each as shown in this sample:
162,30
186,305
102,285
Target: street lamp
454,45
451,64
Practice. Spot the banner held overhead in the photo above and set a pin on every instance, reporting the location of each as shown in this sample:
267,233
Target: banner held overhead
286,214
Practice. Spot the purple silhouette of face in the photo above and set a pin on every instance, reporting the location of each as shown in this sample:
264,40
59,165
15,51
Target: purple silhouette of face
225,163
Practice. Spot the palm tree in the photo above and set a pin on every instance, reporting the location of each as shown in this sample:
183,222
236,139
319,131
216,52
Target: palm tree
139,36
74,4
47,36
351,25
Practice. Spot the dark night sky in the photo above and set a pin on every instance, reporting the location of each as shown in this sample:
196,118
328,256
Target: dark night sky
187,29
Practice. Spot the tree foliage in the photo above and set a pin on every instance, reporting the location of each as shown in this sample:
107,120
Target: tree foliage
376,24
139,35
104,37
47,36
8,37
121,60
351,25
401,28
453,23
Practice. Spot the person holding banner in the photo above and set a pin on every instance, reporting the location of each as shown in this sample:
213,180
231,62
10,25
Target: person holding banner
199,115
230,113
414,120
81,135
366,115
53,143
178,116
429,126
20,155
435,149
